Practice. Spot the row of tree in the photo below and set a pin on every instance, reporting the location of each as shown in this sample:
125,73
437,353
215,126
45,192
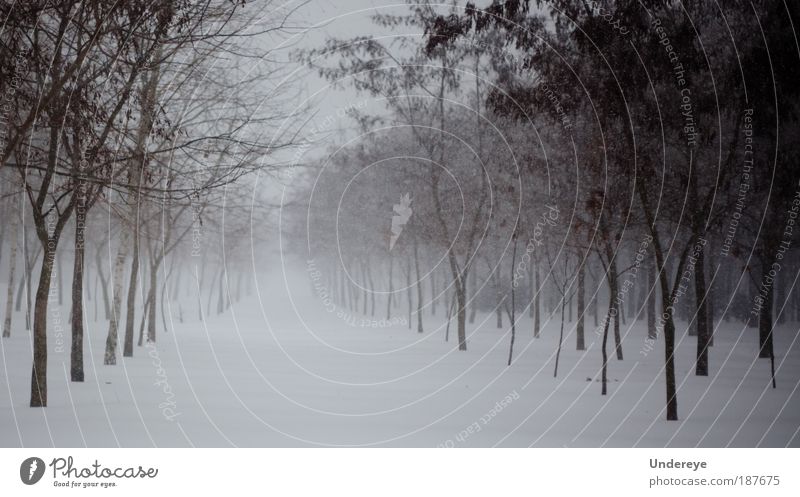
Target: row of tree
641,152
126,127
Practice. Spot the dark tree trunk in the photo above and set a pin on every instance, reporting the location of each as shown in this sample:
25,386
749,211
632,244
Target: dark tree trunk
39,370
652,333
127,349
701,321
76,351
604,375
613,282
461,316
765,324
569,308
633,299
669,357
537,309
711,292
460,286
579,330
560,334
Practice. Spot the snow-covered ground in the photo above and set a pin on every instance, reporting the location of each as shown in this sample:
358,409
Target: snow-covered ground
280,371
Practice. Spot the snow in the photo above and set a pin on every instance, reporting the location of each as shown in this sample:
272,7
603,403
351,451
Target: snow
279,369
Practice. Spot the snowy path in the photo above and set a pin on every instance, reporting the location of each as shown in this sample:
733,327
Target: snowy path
240,379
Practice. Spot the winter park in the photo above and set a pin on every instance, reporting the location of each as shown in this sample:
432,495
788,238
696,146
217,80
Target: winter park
499,223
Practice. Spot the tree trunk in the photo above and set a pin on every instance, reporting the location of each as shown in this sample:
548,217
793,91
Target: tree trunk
110,357
29,263
12,266
103,283
513,312
604,375
164,293
460,287
537,309
76,351
560,334
652,332
39,370
666,303
632,301
669,360
614,289
22,284
461,316
434,297
711,292
579,330
702,323
133,286
570,308
136,169
145,314
473,309
151,320
450,305
60,278
419,290
765,324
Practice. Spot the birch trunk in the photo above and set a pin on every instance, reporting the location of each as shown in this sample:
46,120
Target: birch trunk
110,357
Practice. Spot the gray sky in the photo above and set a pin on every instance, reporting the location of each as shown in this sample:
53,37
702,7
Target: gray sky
343,19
